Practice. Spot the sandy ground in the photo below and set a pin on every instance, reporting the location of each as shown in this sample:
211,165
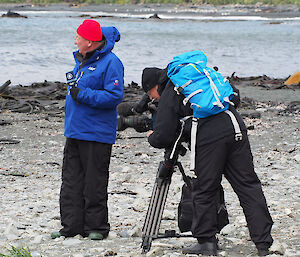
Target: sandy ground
30,178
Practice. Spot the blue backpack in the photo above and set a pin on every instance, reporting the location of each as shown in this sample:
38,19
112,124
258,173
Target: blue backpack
206,89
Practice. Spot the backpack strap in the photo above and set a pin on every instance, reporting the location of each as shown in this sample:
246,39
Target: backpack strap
180,89
214,89
185,100
236,126
183,120
193,143
193,140
186,179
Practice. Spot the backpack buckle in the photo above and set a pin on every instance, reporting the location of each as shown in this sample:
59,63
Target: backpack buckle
238,137
176,90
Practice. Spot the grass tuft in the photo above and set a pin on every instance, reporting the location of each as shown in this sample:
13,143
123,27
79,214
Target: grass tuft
17,252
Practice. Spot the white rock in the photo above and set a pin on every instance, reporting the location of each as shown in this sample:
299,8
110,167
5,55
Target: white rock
277,247
235,241
11,237
169,215
277,177
279,167
287,211
297,157
96,250
241,219
38,239
154,252
261,109
144,156
112,235
36,254
223,253
291,253
162,245
71,241
228,229
125,169
135,232
142,192
11,229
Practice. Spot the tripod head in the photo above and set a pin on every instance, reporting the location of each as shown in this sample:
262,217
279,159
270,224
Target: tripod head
166,167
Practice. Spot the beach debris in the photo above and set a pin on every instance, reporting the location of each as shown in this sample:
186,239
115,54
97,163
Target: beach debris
263,81
32,99
126,192
293,80
4,122
251,115
4,86
8,141
292,108
43,96
154,16
11,14
12,173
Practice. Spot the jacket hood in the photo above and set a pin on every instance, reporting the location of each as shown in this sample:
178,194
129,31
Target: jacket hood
112,35
163,80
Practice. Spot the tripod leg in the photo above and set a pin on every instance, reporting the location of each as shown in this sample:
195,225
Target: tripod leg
160,208
154,213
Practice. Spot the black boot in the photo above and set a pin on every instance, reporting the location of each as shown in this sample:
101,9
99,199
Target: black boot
263,252
263,249
207,248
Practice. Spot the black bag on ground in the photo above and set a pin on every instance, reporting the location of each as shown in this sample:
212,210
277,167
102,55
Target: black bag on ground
185,207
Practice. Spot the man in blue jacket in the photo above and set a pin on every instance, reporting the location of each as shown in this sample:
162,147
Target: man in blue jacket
96,87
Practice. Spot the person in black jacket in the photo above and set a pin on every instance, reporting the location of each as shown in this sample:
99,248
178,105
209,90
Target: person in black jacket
218,151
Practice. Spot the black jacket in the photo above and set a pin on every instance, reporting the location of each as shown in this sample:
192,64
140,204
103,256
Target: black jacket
171,110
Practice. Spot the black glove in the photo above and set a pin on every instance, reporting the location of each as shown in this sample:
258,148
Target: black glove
142,105
74,92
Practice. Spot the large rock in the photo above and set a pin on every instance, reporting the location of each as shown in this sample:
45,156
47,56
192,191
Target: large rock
11,14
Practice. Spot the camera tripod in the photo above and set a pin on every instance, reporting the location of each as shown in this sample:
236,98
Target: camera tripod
158,200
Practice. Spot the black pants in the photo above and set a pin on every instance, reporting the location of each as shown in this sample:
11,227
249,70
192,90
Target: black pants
234,159
83,195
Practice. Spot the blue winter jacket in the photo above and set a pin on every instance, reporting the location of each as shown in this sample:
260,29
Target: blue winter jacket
93,116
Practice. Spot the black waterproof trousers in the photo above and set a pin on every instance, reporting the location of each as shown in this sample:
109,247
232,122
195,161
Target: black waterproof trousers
83,195
233,159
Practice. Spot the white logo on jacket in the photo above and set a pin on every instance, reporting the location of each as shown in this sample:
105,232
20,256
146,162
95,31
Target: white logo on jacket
91,68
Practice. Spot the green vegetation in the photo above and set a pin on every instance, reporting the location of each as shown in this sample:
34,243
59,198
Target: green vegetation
214,2
17,252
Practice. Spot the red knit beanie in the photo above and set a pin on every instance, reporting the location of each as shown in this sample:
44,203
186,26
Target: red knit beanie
90,30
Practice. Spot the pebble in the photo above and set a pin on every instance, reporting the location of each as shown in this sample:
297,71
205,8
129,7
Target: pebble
277,247
71,242
228,229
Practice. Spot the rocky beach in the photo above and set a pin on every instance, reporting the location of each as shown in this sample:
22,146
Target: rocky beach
259,9
31,148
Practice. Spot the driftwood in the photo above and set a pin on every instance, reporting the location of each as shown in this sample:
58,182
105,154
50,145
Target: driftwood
4,86
8,141
33,98
262,81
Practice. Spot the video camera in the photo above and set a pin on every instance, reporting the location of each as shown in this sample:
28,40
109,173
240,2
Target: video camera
131,115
